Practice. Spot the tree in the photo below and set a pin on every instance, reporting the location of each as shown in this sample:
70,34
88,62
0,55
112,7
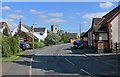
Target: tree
65,39
52,39
5,32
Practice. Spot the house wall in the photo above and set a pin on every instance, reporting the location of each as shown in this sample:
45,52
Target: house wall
90,38
41,37
115,30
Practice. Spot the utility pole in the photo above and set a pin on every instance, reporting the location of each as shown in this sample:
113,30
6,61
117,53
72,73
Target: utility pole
80,29
32,28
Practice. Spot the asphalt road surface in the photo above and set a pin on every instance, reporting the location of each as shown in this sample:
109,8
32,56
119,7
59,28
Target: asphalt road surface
59,60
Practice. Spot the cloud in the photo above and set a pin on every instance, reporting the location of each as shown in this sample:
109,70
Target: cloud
53,20
77,13
94,15
85,23
71,17
106,4
18,11
10,22
5,8
42,16
56,14
16,16
33,11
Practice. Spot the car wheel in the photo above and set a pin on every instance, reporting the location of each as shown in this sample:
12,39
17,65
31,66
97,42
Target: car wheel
23,49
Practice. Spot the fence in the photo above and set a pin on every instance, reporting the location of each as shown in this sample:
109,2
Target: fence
116,47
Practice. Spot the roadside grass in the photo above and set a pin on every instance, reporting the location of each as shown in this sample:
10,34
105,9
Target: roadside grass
12,58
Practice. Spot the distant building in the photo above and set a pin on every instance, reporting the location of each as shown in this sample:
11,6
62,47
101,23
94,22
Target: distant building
72,35
54,28
25,32
4,25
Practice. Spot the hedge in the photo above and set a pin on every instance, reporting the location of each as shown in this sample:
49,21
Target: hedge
36,45
9,46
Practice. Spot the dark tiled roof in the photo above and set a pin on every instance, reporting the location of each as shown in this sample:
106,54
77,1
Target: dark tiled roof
39,29
86,33
109,15
27,27
95,23
30,34
71,35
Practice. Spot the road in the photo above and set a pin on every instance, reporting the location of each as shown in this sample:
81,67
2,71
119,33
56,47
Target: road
59,60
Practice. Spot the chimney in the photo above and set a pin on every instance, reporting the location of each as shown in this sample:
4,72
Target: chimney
20,24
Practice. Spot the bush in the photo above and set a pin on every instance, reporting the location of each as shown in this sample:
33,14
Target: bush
52,39
36,45
9,46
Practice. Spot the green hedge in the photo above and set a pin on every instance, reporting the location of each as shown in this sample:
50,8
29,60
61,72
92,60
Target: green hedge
9,46
36,45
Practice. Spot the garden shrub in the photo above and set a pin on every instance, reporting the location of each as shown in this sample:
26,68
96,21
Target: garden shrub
9,46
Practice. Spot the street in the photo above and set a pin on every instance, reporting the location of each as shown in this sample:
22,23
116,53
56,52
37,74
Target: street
60,60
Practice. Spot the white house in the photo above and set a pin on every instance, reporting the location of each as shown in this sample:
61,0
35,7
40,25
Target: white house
40,33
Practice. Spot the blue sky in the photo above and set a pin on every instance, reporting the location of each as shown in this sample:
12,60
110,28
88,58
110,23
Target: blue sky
68,15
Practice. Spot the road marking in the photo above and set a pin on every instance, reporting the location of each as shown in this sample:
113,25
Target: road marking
86,72
30,67
66,58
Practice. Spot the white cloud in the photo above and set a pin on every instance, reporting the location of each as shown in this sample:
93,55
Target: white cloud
16,16
71,17
53,20
77,13
85,23
18,11
42,16
57,14
94,15
106,4
33,11
9,21
5,8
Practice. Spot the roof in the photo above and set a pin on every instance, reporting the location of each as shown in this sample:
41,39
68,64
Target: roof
30,34
109,16
35,29
71,35
95,23
4,24
39,29
27,27
86,33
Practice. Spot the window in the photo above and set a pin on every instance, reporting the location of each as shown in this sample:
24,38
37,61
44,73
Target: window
41,33
85,39
103,36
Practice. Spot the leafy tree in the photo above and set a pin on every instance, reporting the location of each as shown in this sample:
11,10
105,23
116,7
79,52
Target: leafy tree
52,39
5,32
64,38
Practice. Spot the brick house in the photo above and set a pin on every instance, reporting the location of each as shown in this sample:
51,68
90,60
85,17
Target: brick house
4,25
105,31
108,30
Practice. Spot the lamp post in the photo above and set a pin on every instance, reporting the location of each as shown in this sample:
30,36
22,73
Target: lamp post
32,27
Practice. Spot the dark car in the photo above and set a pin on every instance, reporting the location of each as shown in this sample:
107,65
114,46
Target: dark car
78,44
24,45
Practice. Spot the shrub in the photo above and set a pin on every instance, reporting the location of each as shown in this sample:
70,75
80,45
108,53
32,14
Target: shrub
36,45
52,39
9,46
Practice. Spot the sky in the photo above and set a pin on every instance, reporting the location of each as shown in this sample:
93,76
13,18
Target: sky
68,15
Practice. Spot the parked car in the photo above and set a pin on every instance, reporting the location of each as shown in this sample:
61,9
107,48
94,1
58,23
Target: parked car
24,45
78,44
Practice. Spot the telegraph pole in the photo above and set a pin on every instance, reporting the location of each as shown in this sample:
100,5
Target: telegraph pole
80,29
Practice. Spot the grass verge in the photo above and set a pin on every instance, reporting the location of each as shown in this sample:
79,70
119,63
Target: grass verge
12,58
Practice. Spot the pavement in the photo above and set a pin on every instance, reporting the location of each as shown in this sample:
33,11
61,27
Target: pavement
63,60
